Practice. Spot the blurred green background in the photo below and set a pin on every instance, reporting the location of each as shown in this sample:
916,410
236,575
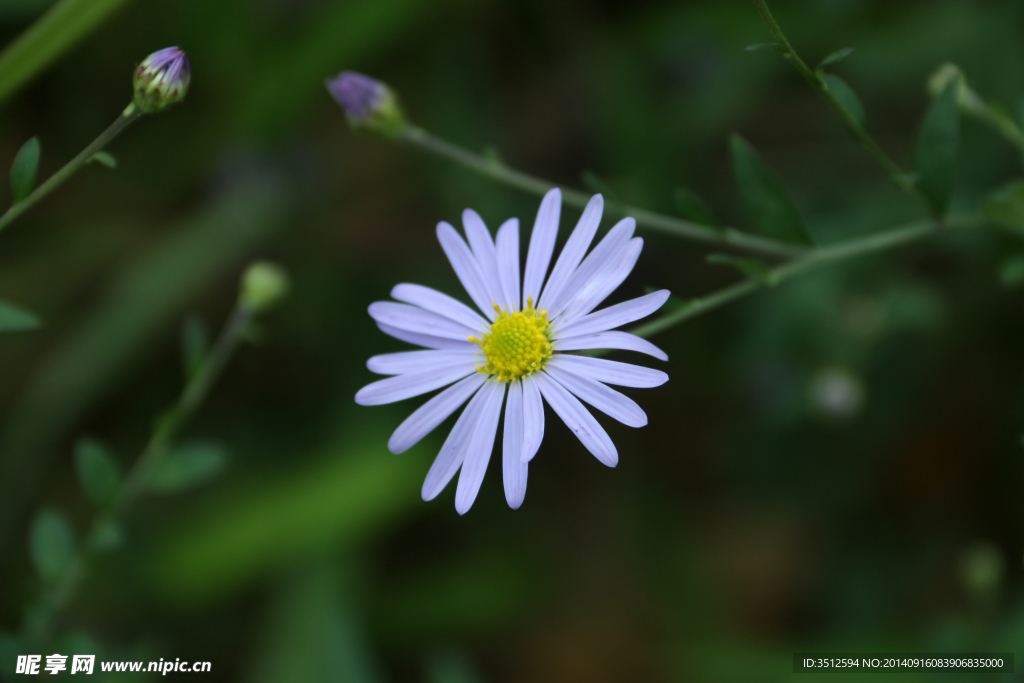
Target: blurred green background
836,464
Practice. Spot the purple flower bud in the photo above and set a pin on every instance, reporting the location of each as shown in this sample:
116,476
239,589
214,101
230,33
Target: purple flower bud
161,80
367,103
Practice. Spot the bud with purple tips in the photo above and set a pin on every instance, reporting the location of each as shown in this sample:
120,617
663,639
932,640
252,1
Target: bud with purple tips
161,80
367,102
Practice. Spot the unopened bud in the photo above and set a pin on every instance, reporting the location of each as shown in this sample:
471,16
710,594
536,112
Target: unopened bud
263,285
161,80
368,103
950,73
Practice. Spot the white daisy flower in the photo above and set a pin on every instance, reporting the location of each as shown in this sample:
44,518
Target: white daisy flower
516,346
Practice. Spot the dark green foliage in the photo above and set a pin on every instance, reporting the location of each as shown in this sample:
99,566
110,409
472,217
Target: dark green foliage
936,152
768,202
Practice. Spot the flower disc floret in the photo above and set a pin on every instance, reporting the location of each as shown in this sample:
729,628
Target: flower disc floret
518,344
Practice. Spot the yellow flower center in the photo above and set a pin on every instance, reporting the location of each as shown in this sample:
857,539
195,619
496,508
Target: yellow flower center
517,344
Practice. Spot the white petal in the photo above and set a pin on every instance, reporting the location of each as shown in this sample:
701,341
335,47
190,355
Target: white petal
466,267
481,443
611,372
427,340
405,362
607,400
415,319
577,245
604,253
401,387
542,244
615,316
604,283
483,249
432,413
437,302
508,261
578,419
610,340
514,470
533,418
450,457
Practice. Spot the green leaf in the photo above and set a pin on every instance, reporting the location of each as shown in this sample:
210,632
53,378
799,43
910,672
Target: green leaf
195,343
834,57
105,158
692,207
749,267
1005,205
97,471
106,537
765,197
24,169
1011,272
936,152
187,467
762,46
51,544
14,319
597,185
846,96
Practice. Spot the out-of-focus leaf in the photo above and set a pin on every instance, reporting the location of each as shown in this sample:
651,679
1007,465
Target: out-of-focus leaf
51,544
846,96
598,185
841,53
105,158
24,170
762,46
107,537
10,648
691,207
749,267
51,36
16,320
765,197
451,667
1011,272
1005,206
195,341
936,151
188,466
97,471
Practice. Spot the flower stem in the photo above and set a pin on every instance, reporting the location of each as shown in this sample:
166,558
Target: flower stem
167,427
492,168
53,182
896,174
877,242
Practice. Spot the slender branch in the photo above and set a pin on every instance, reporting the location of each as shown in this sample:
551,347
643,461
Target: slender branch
729,237
166,429
896,174
876,242
69,169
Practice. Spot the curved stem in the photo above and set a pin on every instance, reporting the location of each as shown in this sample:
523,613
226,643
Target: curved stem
70,168
729,237
877,242
896,174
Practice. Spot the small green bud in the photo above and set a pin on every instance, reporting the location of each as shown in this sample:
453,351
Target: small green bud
263,285
161,80
965,97
368,103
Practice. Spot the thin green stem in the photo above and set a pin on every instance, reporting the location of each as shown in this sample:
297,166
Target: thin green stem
728,237
877,242
70,168
166,429
895,173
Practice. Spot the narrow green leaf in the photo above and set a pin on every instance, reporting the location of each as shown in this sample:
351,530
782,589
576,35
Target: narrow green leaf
834,57
14,319
691,207
597,185
97,471
762,46
24,169
195,342
936,152
765,197
749,267
51,544
1005,205
846,96
105,158
187,467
